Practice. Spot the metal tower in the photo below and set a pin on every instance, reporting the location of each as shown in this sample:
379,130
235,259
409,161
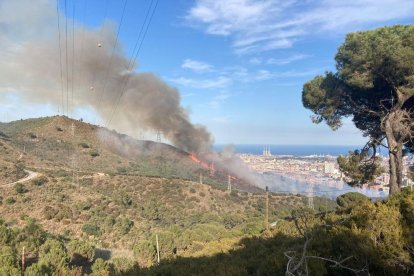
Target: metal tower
158,136
212,169
74,159
267,209
310,197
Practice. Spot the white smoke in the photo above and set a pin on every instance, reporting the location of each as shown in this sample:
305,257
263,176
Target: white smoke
30,67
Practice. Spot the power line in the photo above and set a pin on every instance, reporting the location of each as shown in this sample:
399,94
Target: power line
112,54
82,36
73,49
146,30
60,55
134,58
100,35
66,50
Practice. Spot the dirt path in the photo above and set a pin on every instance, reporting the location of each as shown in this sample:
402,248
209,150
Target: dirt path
27,178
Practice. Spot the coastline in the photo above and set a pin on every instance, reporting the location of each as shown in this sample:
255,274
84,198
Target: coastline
305,175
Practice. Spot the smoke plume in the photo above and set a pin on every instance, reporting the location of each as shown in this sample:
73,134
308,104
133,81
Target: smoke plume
234,165
31,68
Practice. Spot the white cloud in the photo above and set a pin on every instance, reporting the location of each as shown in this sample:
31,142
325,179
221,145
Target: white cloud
219,82
227,76
241,74
287,60
263,75
255,61
225,17
197,66
257,26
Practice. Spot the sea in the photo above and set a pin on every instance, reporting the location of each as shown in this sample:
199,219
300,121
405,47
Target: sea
294,150
281,184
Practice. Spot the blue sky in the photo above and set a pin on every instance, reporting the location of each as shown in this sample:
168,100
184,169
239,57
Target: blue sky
239,65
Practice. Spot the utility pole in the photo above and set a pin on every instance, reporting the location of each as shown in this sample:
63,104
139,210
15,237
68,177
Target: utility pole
74,157
201,178
229,184
23,261
212,170
73,129
158,136
158,249
267,209
310,197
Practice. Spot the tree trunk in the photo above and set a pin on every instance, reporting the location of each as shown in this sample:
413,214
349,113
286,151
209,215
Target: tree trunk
395,156
399,165
393,173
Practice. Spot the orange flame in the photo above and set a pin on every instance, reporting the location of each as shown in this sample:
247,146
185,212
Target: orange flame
195,159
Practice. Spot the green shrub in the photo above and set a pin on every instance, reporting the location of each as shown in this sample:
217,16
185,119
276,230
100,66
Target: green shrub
102,268
122,170
350,200
10,200
168,243
145,250
124,265
124,225
53,254
80,251
91,229
32,135
94,153
86,205
64,212
9,270
40,181
19,188
84,145
31,236
123,199
38,269
6,234
8,257
50,213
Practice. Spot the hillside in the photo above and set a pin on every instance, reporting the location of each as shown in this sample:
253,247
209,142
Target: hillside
118,193
360,237
10,170
62,143
118,211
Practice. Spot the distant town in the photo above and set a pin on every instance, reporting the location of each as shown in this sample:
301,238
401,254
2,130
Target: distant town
316,169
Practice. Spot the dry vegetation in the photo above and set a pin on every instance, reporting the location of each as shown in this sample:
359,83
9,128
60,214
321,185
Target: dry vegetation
119,198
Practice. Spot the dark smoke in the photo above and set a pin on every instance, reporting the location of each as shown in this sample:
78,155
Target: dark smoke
31,68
